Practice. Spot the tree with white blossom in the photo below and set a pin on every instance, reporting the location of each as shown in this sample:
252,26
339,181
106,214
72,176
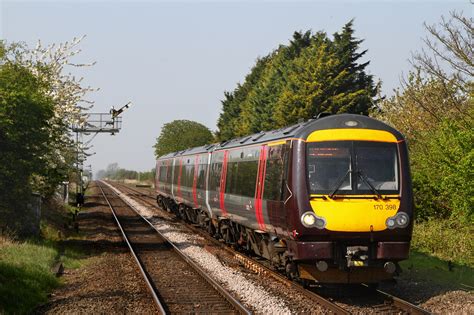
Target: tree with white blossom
52,64
39,100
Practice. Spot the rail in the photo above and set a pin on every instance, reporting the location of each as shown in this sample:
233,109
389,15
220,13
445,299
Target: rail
239,307
145,275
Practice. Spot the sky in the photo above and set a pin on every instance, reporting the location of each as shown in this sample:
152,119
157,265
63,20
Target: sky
174,59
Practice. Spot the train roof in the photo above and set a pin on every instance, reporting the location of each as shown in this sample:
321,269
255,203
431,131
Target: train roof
300,130
191,151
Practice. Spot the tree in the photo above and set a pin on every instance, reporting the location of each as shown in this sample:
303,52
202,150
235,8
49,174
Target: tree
449,45
230,118
442,163
440,85
38,103
181,134
113,171
327,77
25,115
434,109
49,64
258,108
310,75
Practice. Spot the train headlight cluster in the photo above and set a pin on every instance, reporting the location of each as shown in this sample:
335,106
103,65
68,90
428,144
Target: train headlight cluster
400,220
309,220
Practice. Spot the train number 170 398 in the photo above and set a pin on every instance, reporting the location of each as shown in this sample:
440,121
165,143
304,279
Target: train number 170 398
385,207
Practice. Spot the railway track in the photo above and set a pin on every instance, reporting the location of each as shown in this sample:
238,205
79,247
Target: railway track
176,283
392,303
382,302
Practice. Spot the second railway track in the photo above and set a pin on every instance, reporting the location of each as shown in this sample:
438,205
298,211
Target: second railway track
176,283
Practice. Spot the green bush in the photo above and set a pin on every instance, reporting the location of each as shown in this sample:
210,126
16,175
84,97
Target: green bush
443,172
446,239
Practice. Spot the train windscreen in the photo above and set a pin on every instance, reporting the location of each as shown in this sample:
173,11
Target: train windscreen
352,167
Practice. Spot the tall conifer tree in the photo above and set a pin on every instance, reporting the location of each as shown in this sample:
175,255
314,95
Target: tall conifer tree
311,74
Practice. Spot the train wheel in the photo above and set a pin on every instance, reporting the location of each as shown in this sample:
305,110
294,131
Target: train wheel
291,270
305,283
228,236
210,228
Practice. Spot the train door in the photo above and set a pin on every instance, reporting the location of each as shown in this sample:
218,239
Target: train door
274,186
215,180
207,161
259,188
176,186
187,180
169,176
242,169
157,176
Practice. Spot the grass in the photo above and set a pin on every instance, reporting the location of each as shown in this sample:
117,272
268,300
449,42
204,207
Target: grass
424,267
442,252
446,240
73,258
26,276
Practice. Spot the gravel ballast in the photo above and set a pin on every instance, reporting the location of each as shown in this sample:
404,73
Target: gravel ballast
249,292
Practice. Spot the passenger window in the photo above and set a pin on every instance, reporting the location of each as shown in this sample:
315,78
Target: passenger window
215,171
168,172
163,174
201,180
231,178
274,175
246,178
176,171
187,177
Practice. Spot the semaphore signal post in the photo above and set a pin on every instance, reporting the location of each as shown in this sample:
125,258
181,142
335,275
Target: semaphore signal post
93,123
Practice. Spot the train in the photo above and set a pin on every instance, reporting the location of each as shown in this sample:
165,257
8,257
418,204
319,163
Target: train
327,200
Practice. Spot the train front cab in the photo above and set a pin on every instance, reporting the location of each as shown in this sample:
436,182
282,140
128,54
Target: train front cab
355,206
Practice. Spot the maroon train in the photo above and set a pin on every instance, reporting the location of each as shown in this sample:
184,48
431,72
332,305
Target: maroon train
329,200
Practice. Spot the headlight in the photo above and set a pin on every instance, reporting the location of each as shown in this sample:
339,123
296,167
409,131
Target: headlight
309,219
400,220
320,223
390,223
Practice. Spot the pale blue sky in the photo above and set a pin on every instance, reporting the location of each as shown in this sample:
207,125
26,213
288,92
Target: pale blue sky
174,59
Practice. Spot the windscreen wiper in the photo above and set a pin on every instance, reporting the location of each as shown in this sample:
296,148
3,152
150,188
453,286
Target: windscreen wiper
367,181
341,181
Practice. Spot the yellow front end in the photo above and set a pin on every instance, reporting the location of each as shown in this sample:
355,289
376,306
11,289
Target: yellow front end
354,212
353,178
355,215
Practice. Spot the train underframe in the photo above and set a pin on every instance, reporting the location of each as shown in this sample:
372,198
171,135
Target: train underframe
306,261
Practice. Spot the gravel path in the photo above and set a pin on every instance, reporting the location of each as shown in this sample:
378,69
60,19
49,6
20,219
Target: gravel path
109,282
